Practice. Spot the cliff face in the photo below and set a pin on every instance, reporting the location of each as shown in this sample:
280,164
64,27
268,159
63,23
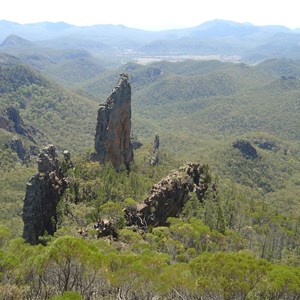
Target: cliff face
10,120
43,192
246,149
169,196
112,140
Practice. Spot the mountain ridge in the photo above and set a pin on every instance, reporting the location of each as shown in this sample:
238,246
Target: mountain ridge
211,37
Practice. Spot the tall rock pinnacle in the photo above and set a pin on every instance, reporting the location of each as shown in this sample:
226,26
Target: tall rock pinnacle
112,140
43,192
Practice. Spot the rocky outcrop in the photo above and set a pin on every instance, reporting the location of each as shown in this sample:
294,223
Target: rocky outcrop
266,144
43,192
24,153
112,140
136,144
68,164
17,146
169,196
154,157
10,120
246,149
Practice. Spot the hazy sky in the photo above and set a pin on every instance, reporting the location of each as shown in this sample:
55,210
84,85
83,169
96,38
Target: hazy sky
152,14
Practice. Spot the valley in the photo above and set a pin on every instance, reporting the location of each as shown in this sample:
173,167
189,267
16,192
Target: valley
220,207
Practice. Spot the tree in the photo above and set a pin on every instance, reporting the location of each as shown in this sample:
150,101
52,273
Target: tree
283,283
68,264
232,275
137,276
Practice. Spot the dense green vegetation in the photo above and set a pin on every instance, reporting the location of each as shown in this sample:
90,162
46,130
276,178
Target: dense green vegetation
241,244
59,116
236,247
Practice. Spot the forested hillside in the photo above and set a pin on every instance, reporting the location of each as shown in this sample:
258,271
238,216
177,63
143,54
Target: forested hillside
58,115
237,235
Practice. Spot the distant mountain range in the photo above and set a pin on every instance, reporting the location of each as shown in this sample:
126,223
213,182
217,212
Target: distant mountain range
224,39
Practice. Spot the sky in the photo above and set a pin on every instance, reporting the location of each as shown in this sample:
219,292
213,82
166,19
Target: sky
152,14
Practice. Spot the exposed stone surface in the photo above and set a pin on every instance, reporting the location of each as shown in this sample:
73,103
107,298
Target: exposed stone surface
106,228
154,158
169,196
17,146
246,149
136,144
112,140
24,153
43,192
67,160
11,121
266,144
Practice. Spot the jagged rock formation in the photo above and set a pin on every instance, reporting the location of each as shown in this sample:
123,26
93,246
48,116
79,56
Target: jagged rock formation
11,121
24,153
266,144
169,196
106,228
154,158
136,144
246,148
112,140
17,146
43,192
67,160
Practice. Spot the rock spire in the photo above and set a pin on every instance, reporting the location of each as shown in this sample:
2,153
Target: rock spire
154,157
112,139
43,192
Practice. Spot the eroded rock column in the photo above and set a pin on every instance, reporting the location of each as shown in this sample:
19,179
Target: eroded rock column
43,192
112,139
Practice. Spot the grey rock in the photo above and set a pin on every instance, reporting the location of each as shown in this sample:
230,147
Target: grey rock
43,192
112,139
136,144
246,149
17,146
10,120
168,197
154,157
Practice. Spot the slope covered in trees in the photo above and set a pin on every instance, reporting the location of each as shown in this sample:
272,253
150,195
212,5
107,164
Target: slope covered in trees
59,116
241,241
